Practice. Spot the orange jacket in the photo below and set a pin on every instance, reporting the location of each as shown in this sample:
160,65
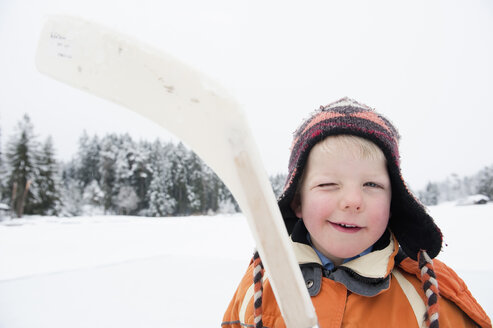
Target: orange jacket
370,291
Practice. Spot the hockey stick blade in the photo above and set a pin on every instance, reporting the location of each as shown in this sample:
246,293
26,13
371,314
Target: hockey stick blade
159,87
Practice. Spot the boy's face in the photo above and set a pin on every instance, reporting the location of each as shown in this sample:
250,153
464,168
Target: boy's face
344,201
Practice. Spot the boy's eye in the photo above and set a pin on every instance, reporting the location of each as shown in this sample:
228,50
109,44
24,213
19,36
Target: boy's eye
327,184
372,185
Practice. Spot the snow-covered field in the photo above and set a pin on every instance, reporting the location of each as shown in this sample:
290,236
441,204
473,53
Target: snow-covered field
169,272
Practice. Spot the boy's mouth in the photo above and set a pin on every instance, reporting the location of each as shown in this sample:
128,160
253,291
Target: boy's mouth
344,227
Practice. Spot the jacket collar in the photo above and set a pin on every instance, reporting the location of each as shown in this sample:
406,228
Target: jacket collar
367,275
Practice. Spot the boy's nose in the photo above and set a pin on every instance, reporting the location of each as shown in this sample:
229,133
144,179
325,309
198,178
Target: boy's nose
352,201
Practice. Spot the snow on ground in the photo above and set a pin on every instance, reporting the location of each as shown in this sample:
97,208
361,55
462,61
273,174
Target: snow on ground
120,271
168,272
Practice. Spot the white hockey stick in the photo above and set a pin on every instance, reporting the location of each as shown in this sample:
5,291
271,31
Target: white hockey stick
187,103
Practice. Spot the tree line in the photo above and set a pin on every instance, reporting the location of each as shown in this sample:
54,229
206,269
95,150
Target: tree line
455,187
112,174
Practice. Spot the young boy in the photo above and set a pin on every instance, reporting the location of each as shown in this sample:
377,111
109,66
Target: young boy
364,244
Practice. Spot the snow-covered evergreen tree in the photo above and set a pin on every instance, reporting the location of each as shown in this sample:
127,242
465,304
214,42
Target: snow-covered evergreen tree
227,203
93,198
469,186
3,173
179,189
72,201
485,182
124,159
277,182
107,170
47,181
210,189
22,168
127,200
195,183
87,159
159,193
141,173
430,195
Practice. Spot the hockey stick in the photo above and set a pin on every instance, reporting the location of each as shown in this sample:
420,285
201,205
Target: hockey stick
191,106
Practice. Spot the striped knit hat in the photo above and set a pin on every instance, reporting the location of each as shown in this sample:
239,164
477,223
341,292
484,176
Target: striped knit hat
413,227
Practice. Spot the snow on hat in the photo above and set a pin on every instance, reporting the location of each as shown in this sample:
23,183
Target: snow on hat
413,227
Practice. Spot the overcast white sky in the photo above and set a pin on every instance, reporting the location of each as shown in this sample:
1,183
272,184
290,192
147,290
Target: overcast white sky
427,65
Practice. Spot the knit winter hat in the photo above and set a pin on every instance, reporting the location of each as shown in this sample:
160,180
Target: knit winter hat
413,227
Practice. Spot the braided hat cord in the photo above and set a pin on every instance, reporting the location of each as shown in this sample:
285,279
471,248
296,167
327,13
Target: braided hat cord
430,287
258,273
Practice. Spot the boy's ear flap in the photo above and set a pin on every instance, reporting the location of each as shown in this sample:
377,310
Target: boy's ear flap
296,205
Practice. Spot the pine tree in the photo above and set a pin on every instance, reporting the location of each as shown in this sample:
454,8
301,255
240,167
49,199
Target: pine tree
88,157
127,200
3,174
485,183
469,186
430,195
107,170
210,190
141,176
124,160
22,170
47,181
72,200
179,190
3,185
93,196
277,183
159,194
196,189
160,201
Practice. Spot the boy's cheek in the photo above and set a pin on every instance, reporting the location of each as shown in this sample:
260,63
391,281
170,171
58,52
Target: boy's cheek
316,211
381,219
